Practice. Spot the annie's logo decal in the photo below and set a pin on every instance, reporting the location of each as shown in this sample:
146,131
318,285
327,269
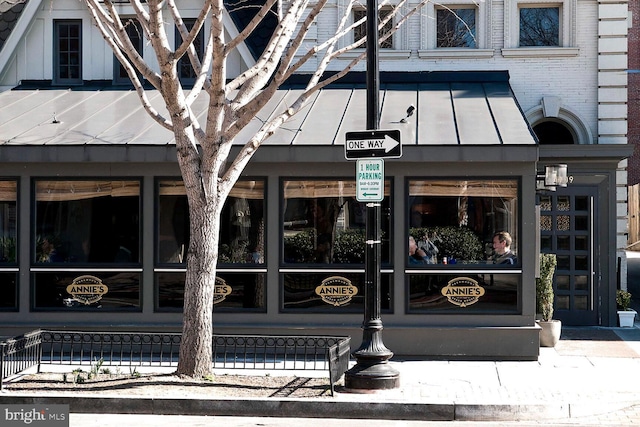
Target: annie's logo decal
87,289
463,291
221,290
336,291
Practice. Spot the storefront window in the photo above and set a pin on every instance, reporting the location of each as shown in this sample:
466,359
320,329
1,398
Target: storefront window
242,247
241,233
87,291
8,246
87,222
455,222
464,294
323,223
331,293
234,291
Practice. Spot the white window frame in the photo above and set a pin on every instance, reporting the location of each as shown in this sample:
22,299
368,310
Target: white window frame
567,34
400,49
429,31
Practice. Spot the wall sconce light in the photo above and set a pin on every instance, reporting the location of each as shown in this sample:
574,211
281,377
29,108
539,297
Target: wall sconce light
554,176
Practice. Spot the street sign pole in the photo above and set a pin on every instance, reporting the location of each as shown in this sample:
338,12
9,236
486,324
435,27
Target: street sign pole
372,370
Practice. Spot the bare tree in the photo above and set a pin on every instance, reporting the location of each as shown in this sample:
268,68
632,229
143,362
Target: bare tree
203,148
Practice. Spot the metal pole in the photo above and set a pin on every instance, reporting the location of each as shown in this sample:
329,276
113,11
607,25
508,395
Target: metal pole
372,372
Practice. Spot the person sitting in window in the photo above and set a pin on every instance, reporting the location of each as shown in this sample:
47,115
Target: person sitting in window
502,249
49,250
416,255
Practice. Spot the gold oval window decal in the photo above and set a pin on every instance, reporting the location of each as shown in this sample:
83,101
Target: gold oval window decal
87,289
463,291
336,290
221,290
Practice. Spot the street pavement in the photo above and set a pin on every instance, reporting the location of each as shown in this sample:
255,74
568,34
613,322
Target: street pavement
592,377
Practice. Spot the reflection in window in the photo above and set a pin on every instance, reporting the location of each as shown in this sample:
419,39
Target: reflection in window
94,221
456,27
121,292
360,31
242,233
300,291
500,294
460,217
324,224
247,292
540,26
8,221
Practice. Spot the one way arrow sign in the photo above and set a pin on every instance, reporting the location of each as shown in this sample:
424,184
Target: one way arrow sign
372,143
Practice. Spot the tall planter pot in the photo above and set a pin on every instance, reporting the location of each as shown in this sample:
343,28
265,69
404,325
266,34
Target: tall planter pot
550,332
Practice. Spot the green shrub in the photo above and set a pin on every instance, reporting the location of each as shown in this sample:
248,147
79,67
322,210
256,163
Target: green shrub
544,286
623,299
349,246
460,243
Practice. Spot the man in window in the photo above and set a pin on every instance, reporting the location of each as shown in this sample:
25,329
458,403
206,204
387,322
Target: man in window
502,249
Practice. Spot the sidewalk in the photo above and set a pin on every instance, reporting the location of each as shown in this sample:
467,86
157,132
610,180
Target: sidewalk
591,372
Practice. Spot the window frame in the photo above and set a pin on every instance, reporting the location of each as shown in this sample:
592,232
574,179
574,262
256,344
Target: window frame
57,79
400,48
189,22
567,37
117,66
429,31
10,268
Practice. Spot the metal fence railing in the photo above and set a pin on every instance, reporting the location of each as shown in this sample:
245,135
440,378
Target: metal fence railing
266,352
19,354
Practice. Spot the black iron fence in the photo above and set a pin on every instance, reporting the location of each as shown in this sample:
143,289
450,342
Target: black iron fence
19,354
265,352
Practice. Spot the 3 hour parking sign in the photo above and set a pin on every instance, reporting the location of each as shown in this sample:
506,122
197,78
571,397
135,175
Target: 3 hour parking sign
370,180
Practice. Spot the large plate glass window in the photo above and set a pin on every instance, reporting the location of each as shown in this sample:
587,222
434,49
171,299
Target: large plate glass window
323,247
463,245
8,244
323,223
241,272
86,244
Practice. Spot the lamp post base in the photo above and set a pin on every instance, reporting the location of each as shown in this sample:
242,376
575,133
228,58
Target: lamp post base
378,376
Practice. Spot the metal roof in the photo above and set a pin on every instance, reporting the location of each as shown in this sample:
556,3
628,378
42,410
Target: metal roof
446,113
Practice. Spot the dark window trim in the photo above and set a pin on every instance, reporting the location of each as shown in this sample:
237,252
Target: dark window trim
57,80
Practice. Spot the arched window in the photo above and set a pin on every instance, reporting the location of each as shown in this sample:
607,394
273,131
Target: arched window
553,132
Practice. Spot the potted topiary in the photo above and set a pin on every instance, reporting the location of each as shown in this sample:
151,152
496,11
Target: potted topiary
550,328
626,316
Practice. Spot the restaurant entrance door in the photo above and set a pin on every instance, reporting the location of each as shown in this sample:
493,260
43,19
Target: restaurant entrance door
567,228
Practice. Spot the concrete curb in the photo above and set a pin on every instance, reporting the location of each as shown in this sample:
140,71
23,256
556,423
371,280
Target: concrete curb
317,408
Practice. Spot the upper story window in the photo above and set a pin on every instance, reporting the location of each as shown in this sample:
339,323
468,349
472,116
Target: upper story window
186,73
456,27
539,26
134,31
67,49
87,222
361,30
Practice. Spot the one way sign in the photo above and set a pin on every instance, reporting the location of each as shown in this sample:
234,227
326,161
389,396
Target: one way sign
372,143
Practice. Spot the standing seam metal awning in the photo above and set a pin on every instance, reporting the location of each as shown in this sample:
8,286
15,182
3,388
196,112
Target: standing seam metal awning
446,113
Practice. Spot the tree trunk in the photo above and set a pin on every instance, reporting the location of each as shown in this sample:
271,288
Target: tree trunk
197,327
